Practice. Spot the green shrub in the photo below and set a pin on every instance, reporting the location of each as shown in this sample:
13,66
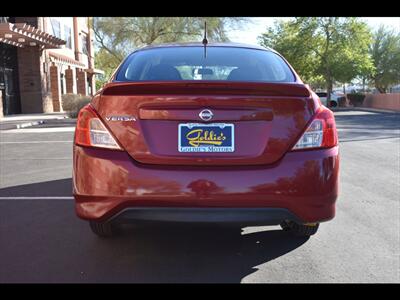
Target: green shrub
342,101
68,101
72,103
356,99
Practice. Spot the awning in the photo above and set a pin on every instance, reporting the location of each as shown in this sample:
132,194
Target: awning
22,34
95,71
65,59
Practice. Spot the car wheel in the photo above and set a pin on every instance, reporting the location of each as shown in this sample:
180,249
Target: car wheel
333,104
105,229
299,229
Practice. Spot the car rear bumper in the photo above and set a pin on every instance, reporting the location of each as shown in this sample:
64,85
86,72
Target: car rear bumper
302,186
250,216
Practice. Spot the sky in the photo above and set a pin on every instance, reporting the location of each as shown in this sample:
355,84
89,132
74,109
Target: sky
257,25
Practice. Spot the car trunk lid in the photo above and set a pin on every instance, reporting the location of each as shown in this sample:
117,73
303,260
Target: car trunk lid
267,119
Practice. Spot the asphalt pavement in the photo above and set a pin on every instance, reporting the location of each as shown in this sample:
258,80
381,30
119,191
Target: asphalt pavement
42,240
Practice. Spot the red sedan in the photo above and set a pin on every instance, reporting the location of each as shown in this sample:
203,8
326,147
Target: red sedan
227,133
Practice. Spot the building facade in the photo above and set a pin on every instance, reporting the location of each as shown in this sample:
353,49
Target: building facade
42,58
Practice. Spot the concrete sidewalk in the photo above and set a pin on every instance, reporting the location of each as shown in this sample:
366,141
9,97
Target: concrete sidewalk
368,109
28,120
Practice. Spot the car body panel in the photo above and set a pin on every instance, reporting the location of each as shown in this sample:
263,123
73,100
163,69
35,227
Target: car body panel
306,182
268,119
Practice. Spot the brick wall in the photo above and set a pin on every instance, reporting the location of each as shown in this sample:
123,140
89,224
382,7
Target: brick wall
81,81
29,77
383,101
69,80
55,87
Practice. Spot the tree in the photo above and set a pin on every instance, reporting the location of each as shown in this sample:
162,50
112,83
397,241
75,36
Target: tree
385,53
328,48
116,37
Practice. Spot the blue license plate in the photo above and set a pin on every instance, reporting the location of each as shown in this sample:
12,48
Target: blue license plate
195,137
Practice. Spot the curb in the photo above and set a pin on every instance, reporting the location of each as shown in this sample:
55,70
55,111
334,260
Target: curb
6,126
379,110
19,126
29,124
376,110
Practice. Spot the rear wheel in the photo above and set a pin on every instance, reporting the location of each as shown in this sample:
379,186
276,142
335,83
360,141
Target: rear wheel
296,229
333,104
105,229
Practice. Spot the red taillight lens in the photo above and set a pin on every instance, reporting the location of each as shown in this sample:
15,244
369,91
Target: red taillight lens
321,133
91,132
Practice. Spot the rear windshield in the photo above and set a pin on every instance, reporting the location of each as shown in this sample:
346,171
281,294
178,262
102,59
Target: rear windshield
189,63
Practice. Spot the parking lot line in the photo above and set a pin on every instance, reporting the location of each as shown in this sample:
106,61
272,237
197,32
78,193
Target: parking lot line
39,130
38,198
35,142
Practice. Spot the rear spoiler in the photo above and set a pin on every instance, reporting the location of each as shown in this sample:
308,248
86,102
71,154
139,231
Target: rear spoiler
205,87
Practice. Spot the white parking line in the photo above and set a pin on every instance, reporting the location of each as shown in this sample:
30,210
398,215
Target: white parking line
38,198
39,130
35,142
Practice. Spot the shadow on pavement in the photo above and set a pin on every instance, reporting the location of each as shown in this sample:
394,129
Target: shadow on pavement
44,241
57,188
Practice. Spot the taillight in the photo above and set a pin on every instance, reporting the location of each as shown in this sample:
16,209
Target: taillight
321,133
90,131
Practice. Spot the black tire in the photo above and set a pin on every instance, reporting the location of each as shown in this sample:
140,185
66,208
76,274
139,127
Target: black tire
104,230
299,229
333,104
285,226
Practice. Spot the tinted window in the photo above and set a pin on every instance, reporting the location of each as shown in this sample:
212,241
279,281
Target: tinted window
189,63
56,27
67,35
85,48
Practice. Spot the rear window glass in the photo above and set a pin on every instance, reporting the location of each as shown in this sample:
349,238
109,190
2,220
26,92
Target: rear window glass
189,63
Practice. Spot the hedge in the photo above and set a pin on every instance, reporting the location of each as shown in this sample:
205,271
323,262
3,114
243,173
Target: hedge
356,99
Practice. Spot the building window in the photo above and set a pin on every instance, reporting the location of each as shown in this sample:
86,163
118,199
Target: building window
62,83
4,19
89,85
85,48
56,27
68,38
